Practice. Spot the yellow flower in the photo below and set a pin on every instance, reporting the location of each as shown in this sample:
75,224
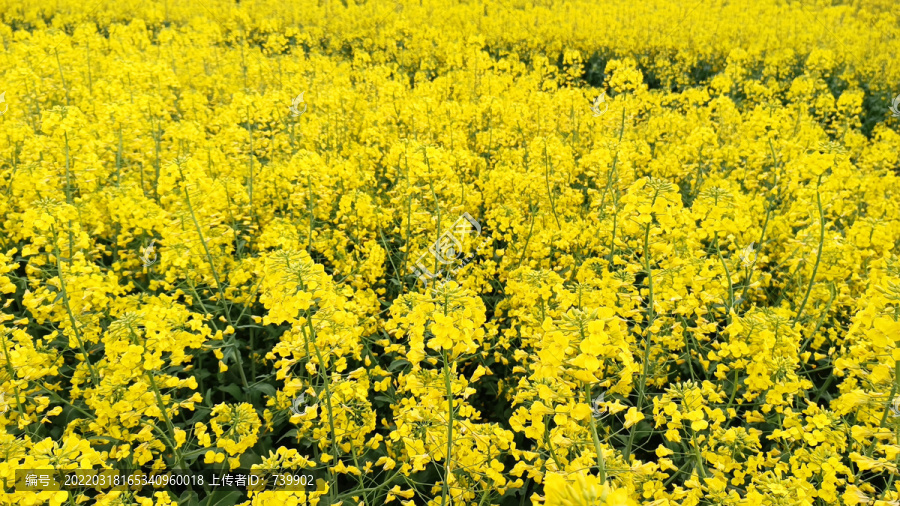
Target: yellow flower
578,489
632,417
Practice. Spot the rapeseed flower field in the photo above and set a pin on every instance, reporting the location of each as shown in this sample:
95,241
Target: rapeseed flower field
451,252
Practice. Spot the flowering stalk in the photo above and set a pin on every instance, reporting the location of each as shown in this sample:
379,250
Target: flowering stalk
613,174
651,316
95,378
215,274
311,336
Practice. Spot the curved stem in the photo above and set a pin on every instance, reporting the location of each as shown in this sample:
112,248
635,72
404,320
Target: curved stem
812,279
601,463
559,466
547,180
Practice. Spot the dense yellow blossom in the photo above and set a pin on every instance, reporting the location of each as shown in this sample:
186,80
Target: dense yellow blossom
426,252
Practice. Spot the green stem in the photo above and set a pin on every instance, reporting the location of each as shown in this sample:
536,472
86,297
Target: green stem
310,210
727,275
821,318
614,175
651,316
95,379
527,239
61,77
700,466
90,77
215,274
448,461
812,280
759,248
179,459
547,180
157,137
733,392
601,464
359,477
323,374
887,410
69,198
559,466
12,374
890,482
76,408
250,163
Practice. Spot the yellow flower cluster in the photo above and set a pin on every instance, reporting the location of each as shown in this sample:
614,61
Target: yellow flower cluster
423,252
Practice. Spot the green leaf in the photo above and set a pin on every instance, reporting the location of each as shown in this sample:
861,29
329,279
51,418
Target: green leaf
188,497
234,390
264,388
229,354
195,453
291,433
397,364
198,415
